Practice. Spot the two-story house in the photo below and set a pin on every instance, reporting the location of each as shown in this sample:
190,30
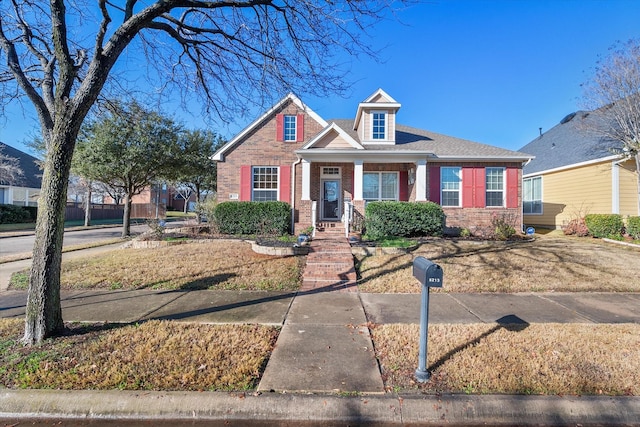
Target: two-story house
328,169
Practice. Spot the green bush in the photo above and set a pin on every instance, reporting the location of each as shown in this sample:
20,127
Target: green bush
633,227
246,218
403,219
11,214
604,225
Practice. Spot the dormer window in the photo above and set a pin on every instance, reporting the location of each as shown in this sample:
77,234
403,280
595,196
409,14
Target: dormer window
378,125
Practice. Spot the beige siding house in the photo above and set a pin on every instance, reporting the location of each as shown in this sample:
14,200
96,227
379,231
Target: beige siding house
575,173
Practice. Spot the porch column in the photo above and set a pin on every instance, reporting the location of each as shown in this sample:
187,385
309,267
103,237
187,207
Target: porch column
357,179
421,181
306,180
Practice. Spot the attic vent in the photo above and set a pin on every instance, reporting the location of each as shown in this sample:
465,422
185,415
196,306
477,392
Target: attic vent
567,118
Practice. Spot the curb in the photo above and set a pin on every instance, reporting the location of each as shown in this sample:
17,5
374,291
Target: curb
296,409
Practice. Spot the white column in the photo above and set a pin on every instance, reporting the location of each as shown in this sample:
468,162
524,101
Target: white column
357,179
306,180
615,188
421,181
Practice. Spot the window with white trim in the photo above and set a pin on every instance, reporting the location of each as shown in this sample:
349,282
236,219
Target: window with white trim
450,179
379,125
264,183
494,187
532,195
378,186
289,128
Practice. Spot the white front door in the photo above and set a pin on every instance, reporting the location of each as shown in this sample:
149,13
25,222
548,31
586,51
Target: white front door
330,206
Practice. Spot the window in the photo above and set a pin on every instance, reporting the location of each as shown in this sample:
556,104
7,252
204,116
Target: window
265,184
379,125
450,179
290,128
380,186
532,195
494,187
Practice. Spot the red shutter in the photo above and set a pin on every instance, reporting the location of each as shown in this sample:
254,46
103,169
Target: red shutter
245,183
404,186
300,128
467,187
512,187
285,184
434,184
280,127
479,196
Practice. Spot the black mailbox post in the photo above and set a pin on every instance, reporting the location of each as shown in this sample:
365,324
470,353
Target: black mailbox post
430,276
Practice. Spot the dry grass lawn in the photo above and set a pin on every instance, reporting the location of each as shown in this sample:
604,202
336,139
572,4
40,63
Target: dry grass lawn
155,355
539,359
547,264
216,265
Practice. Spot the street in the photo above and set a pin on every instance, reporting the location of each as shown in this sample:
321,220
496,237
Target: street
23,244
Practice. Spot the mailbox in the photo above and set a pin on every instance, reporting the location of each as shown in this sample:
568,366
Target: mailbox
427,272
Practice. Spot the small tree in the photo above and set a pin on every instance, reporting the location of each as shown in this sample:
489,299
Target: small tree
196,172
129,148
614,94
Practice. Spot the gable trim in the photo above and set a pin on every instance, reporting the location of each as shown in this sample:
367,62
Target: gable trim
333,127
219,155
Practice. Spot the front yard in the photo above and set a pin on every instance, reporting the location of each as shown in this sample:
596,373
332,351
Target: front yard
476,358
548,264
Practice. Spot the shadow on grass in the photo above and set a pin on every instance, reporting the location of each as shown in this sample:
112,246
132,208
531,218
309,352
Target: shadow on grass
509,322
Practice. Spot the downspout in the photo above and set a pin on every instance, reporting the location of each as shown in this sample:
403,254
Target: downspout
293,193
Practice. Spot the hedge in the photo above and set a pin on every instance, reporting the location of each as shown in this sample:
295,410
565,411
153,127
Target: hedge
403,219
12,214
633,226
604,225
246,218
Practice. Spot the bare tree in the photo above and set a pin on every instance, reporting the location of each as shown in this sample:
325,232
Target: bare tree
59,56
613,93
10,171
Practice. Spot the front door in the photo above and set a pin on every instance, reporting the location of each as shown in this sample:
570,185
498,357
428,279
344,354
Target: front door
330,206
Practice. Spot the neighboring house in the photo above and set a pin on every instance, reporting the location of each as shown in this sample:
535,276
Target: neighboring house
325,169
26,191
576,172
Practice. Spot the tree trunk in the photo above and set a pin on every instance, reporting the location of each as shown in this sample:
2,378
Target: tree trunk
126,217
43,312
638,178
87,208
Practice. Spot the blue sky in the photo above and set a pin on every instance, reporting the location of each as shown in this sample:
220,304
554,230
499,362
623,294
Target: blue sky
492,71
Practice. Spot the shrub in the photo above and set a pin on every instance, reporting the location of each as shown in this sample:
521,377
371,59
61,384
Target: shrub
633,227
604,225
576,227
502,226
403,219
244,218
11,214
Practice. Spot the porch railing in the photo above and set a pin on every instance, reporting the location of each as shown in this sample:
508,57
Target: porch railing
347,217
314,213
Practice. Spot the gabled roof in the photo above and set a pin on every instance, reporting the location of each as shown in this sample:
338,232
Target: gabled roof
571,142
439,147
32,175
219,155
333,128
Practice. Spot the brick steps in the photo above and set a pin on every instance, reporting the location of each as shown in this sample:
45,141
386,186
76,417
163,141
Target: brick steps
329,262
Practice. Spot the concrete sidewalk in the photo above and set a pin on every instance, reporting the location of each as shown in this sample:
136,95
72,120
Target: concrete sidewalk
273,307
